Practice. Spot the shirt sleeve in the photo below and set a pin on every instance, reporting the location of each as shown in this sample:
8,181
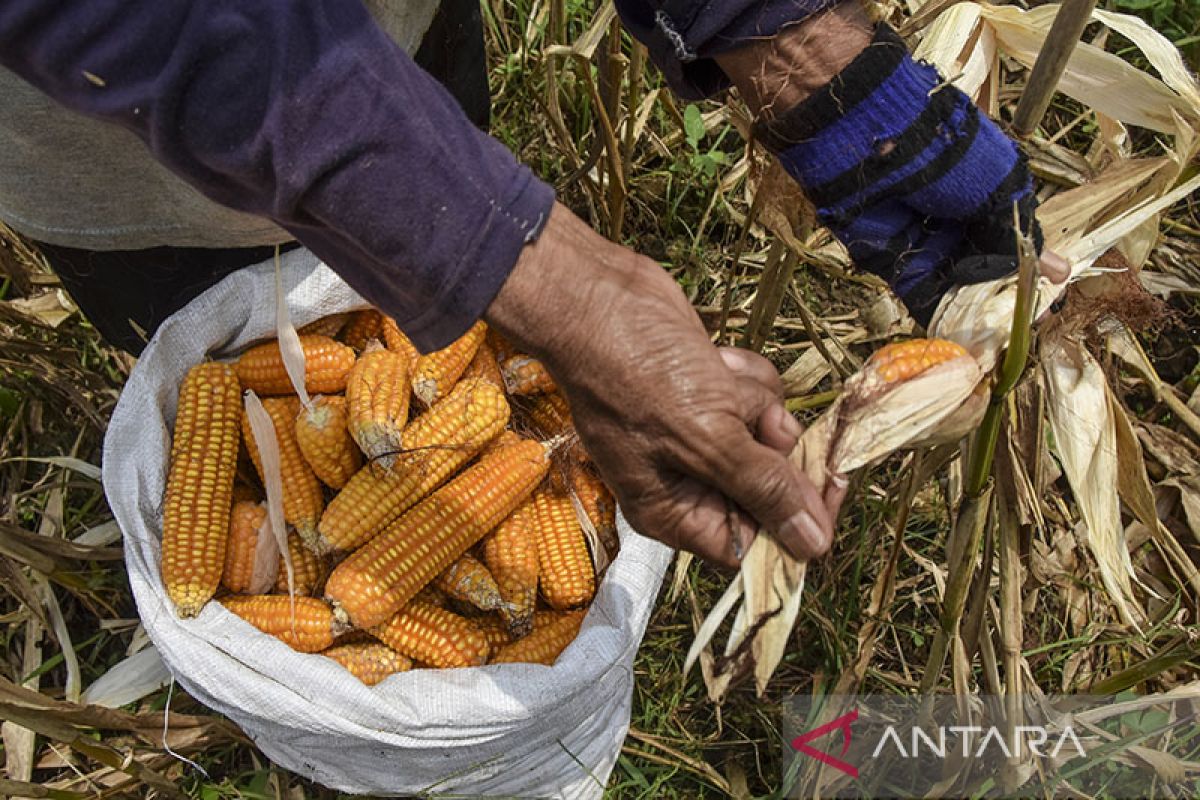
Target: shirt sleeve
308,114
682,36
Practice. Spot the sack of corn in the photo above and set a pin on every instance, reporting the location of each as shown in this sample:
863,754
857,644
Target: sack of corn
356,594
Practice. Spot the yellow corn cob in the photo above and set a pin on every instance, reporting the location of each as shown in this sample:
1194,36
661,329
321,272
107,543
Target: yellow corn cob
437,443
325,326
397,342
383,575
526,375
244,523
437,372
302,496
598,504
370,662
434,636
501,347
469,581
431,595
364,325
503,439
312,630
494,630
199,497
551,635
551,415
564,566
900,361
308,568
326,364
510,552
325,441
377,394
484,366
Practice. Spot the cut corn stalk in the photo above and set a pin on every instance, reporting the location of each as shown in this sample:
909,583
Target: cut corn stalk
397,342
326,365
436,373
364,325
526,375
324,440
303,499
510,552
552,632
383,575
199,497
436,444
241,562
310,629
370,662
434,636
377,393
308,568
565,570
468,581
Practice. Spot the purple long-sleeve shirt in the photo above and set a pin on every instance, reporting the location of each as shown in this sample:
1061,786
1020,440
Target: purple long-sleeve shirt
308,114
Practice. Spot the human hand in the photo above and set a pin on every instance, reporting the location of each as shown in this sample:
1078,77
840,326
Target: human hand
692,439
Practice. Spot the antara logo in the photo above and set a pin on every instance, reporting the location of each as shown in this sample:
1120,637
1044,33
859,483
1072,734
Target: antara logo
801,743
1033,737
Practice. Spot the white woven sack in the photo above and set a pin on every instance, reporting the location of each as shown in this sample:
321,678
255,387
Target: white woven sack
519,730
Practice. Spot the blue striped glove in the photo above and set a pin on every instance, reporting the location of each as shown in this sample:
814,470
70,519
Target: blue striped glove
906,171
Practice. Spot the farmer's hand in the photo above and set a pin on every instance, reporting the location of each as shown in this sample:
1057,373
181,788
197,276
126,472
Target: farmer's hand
917,183
691,438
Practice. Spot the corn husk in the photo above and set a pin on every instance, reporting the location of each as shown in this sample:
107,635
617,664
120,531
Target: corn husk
1118,208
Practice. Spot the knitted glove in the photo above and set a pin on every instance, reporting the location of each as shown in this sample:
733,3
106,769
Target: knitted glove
908,174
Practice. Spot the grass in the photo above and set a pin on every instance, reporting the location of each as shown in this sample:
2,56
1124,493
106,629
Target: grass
677,193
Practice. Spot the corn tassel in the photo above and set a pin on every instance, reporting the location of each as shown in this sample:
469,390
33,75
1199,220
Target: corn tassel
437,443
565,570
311,630
434,636
377,393
370,662
199,499
325,441
552,632
303,499
437,372
383,575
326,365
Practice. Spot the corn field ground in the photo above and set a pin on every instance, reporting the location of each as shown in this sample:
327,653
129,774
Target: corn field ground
578,102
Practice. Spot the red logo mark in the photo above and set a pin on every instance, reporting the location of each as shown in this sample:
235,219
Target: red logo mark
843,723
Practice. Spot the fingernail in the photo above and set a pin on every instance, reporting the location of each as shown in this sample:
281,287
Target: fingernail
789,426
839,480
738,550
802,526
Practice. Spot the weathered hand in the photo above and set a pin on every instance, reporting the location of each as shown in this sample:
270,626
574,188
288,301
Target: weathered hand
691,438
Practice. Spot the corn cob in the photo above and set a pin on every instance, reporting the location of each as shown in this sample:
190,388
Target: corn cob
598,504
326,364
501,347
383,575
503,439
377,394
325,326
312,630
397,342
308,568
469,581
364,325
325,441
551,635
526,375
370,662
437,372
434,636
199,497
437,443
484,366
899,361
302,496
244,524
564,566
431,595
551,415
494,630
510,552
